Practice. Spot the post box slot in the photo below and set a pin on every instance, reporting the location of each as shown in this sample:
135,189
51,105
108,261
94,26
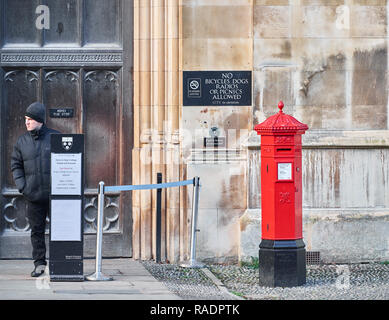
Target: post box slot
284,149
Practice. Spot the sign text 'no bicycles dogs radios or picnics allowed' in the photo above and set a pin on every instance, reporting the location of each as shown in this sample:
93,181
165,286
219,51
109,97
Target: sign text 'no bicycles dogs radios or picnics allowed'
66,203
217,88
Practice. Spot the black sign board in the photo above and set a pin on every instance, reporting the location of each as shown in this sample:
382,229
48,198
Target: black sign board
66,207
215,142
61,113
217,88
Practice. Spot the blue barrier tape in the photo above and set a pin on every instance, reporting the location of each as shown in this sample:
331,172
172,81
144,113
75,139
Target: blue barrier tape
147,186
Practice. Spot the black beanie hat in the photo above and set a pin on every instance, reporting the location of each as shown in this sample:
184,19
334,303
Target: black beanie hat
36,111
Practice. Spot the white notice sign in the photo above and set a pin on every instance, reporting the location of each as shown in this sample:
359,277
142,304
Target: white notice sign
284,171
66,173
65,220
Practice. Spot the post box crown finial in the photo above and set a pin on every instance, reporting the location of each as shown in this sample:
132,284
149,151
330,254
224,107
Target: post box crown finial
280,105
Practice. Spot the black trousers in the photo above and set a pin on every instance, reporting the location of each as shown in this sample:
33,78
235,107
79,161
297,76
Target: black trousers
37,213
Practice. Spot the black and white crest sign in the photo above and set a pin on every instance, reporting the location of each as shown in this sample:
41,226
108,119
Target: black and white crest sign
67,142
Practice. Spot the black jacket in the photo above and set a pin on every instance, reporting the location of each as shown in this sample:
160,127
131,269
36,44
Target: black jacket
30,164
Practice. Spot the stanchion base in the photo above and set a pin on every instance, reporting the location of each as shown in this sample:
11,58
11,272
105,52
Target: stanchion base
98,276
193,264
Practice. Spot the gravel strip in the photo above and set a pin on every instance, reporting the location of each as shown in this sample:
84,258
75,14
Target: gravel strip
324,282
188,283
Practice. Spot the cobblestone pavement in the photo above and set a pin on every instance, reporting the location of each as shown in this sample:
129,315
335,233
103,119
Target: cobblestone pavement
188,283
324,282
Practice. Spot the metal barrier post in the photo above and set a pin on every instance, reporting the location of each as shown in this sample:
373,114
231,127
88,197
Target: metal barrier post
98,275
159,220
195,208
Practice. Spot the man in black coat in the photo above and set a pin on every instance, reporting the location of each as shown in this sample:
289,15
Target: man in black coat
30,165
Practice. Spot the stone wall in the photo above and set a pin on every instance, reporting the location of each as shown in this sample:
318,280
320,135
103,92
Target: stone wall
327,60
218,35
345,201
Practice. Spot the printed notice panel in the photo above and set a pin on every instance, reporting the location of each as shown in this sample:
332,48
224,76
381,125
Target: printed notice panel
66,173
65,220
217,88
284,171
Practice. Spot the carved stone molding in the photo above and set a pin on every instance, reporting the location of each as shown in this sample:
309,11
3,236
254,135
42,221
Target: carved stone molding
30,75
111,214
70,75
109,75
15,214
61,58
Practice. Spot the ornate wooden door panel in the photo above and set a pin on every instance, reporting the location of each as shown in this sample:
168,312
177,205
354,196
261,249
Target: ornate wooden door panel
74,54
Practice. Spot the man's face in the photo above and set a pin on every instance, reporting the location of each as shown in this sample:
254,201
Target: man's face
31,124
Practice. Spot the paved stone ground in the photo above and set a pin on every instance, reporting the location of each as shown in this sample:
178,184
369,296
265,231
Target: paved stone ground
130,282
324,282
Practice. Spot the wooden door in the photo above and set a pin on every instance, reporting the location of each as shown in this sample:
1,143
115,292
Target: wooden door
75,56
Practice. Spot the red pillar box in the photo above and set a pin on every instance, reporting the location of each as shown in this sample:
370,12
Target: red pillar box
282,250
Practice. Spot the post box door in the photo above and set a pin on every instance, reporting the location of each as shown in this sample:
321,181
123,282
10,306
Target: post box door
284,217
